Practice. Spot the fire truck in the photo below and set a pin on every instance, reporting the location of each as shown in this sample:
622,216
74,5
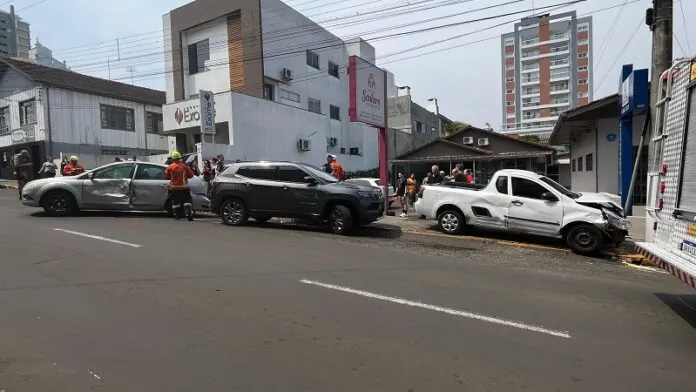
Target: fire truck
670,232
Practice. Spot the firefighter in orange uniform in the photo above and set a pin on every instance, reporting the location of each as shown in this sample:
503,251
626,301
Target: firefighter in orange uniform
178,175
73,168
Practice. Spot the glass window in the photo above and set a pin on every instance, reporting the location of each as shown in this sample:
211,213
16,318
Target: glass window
198,54
526,188
149,172
333,69
335,112
580,166
589,162
116,172
289,95
268,92
582,55
320,173
4,120
258,172
314,105
291,174
27,112
501,184
154,123
312,59
113,117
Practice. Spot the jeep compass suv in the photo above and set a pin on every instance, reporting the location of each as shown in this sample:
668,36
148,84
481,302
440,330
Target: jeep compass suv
262,190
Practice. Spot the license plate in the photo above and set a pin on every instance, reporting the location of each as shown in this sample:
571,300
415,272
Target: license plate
689,248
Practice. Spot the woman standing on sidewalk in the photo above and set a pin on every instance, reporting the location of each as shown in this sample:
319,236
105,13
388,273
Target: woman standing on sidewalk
401,193
411,192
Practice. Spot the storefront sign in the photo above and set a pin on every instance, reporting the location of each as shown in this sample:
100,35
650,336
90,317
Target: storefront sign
207,112
23,135
367,92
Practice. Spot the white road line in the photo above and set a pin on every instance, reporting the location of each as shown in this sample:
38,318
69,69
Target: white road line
454,312
100,238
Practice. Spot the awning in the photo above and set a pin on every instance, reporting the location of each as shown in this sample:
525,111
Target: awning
492,157
583,117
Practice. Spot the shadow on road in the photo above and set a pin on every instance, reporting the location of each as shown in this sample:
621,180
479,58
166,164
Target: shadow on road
380,231
112,214
504,236
683,305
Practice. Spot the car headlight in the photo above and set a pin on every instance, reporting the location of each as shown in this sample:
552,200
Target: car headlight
369,195
616,220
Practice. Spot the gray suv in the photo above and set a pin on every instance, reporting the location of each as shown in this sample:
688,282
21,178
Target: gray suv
262,190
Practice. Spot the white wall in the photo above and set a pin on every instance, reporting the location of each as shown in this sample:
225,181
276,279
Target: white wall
217,75
168,63
13,101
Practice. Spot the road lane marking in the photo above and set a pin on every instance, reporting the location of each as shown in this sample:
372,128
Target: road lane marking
97,237
454,312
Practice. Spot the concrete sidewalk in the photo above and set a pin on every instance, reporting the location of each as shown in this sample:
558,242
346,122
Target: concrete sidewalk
8,184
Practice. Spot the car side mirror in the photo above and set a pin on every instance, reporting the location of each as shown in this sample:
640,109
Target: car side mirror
310,180
548,196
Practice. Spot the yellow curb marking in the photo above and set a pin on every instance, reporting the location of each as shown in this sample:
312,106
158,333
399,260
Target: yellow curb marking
644,268
483,239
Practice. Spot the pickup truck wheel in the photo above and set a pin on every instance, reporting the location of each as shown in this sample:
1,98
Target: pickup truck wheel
585,240
340,220
234,213
59,203
451,221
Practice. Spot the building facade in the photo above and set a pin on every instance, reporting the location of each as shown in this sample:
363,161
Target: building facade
42,55
54,112
546,70
280,83
15,35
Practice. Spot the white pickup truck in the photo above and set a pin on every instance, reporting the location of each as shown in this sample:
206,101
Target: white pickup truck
522,201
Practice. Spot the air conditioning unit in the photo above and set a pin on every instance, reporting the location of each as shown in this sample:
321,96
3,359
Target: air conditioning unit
286,74
332,141
483,141
467,140
304,145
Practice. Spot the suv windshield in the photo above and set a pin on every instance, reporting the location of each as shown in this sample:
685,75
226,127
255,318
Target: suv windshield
553,184
319,173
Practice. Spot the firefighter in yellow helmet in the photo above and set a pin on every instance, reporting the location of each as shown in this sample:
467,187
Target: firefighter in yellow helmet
178,174
73,168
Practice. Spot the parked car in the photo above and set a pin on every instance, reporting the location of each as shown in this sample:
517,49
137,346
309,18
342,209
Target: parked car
522,201
262,190
374,183
129,185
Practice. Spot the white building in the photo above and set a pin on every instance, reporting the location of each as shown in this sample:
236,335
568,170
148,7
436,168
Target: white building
44,56
278,79
49,111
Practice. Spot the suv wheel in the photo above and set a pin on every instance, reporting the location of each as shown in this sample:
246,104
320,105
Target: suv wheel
233,212
585,240
340,220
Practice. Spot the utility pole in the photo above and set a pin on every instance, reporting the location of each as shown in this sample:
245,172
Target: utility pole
659,18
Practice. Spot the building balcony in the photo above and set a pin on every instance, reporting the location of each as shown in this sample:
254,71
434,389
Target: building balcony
529,82
530,95
543,55
530,70
554,39
559,77
555,91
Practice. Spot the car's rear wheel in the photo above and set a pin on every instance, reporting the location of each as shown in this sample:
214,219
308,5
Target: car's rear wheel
340,220
585,239
59,203
234,212
451,221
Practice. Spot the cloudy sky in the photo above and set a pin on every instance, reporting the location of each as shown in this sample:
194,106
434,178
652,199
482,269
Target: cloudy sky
459,65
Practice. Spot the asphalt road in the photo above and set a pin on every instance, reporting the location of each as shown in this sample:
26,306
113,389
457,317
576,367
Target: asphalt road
133,302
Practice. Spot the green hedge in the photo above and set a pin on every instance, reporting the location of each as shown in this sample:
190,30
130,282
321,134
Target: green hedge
370,173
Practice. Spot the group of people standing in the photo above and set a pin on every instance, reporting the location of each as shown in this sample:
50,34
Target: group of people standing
23,167
407,188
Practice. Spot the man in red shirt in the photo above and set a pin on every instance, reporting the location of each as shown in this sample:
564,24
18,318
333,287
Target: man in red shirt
178,174
73,168
336,168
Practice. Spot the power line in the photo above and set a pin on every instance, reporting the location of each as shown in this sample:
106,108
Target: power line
686,31
605,43
633,35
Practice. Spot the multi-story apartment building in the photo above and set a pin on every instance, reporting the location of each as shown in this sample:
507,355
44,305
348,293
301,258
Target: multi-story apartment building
279,79
547,69
14,42
42,55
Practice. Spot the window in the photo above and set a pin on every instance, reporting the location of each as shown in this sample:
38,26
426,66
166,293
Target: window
582,68
149,172
583,27
510,103
258,172
333,69
509,55
580,164
113,117
154,122
314,105
501,184
583,41
117,172
572,165
582,55
582,94
510,79
509,41
509,91
419,127
27,112
4,120
291,174
289,95
687,188
198,54
268,92
529,189
582,81
509,67
334,112
589,162
312,59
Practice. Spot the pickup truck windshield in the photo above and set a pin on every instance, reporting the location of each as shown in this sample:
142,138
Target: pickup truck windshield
553,184
319,173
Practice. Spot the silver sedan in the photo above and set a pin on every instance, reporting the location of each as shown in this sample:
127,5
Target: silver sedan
120,186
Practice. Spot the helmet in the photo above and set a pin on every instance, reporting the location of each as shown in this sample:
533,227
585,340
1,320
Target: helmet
176,155
74,158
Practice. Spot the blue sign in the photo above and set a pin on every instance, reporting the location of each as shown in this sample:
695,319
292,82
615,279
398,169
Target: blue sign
611,137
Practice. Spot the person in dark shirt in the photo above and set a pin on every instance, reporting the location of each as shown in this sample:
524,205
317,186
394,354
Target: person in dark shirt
434,176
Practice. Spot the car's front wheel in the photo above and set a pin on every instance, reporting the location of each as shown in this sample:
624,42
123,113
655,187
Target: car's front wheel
234,212
585,239
451,221
59,203
340,220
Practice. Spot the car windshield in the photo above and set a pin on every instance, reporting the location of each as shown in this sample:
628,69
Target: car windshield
315,171
553,184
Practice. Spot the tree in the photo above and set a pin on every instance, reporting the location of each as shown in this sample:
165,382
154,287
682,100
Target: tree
455,126
530,138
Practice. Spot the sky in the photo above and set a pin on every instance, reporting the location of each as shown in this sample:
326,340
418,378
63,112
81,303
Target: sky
459,65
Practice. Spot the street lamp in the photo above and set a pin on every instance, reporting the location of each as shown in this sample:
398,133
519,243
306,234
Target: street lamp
437,114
